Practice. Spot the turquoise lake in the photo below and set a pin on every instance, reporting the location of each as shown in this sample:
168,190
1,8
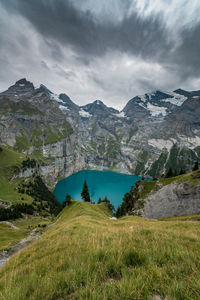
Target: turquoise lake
100,184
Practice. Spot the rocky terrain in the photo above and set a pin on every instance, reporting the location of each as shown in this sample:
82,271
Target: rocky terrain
178,198
151,134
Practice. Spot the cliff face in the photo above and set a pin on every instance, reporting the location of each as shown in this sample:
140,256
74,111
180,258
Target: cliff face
151,134
179,198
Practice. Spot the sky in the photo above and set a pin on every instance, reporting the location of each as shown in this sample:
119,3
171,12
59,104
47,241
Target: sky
110,50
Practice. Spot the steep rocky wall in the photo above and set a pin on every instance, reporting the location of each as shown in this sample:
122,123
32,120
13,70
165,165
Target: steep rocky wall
175,199
68,156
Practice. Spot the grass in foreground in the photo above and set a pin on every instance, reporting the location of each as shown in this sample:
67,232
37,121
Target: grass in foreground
87,256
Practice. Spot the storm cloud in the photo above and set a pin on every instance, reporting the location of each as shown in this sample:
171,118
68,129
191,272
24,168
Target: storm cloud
110,50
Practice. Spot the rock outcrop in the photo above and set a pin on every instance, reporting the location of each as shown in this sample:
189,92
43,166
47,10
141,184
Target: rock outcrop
175,199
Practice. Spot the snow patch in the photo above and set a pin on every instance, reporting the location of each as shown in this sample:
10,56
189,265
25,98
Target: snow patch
22,85
63,108
142,105
150,95
155,111
143,98
56,98
84,114
177,99
120,115
160,143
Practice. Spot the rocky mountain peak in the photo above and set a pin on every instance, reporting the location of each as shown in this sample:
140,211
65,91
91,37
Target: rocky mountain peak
99,102
45,89
23,84
99,108
68,102
151,132
182,92
186,93
157,104
19,90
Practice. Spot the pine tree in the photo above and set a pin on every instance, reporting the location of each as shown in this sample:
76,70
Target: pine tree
182,171
99,201
169,173
68,200
196,166
85,192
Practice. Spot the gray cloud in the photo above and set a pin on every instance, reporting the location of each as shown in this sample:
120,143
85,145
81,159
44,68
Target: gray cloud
111,50
61,21
186,56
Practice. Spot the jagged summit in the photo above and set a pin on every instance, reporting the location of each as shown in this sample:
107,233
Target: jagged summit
186,93
24,82
157,104
21,87
143,137
68,102
45,89
98,108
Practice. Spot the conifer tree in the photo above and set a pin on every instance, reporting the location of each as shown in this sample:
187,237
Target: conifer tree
85,192
182,171
169,173
68,200
99,201
196,166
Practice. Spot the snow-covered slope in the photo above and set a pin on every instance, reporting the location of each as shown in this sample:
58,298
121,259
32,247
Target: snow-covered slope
157,104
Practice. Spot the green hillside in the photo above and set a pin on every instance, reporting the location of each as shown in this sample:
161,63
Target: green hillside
35,130
15,191
85,255
10,165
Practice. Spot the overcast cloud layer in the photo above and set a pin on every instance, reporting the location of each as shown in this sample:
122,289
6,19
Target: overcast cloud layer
105,49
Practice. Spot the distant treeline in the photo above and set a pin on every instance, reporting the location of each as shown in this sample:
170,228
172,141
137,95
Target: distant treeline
15,211
41,194
129,200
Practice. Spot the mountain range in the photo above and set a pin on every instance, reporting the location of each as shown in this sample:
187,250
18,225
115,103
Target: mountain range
152,133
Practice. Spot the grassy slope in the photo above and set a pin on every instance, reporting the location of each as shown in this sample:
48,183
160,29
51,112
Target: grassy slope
10,236
10,158
87,256
10,161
